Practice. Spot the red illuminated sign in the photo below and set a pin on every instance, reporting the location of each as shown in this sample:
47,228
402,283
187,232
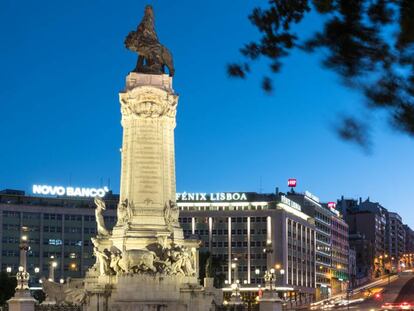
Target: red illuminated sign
292,182
331,204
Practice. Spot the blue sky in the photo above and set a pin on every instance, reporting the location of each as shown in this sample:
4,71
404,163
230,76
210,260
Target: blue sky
63,64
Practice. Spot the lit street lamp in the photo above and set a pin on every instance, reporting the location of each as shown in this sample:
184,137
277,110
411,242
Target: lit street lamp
22,276
52,267
235,299
270,276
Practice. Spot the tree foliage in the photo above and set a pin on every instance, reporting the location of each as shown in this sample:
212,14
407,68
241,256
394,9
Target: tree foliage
7,287
368,43
39,295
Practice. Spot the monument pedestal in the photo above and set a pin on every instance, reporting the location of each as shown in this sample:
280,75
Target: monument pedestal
145,292
22,301
270,301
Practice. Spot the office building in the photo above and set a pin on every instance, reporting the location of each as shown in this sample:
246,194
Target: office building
59,230
352,268
331,239
254,233
409,240
364,254
377,224
340,253
395,241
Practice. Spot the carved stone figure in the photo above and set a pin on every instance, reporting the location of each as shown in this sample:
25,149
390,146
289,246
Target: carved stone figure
171,212
153,56
137,260
209,267
181,261
102,260
162,242
96,243
100,207
124,212
178,260
75,292
187,263
54,291
115,258
72,292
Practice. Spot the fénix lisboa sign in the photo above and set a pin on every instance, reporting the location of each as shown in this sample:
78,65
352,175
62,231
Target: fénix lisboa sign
70,191
214,196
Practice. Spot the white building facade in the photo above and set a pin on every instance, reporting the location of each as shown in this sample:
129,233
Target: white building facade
253,233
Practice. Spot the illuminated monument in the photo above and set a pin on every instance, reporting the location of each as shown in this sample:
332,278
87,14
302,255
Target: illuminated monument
145,263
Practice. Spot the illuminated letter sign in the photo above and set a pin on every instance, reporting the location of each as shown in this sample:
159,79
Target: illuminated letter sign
214,196
289,202
70,191
331,204
292,182
311,196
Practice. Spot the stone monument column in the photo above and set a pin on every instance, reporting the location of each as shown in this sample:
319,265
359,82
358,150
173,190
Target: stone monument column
147,208
145,263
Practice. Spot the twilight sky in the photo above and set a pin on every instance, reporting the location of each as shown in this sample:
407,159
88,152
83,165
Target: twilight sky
62,64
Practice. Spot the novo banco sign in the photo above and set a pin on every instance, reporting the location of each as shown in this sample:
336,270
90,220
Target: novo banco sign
211,197
70,191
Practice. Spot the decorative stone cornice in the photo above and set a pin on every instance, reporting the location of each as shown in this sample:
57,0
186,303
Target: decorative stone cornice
148,102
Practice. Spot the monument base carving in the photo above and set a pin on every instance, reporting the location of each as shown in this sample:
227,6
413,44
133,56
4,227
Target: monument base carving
147,273
142,292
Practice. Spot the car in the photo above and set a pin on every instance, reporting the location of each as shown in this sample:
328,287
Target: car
397,306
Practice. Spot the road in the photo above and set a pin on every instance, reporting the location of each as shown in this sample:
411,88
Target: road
401,290
407,292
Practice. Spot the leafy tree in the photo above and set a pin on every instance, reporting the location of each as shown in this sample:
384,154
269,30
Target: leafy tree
7,287
39,295
368,43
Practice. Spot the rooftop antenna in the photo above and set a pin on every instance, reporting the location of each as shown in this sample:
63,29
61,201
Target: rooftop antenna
260,185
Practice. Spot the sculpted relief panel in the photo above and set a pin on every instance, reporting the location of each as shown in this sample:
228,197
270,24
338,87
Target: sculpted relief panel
171,260
163,257
148,102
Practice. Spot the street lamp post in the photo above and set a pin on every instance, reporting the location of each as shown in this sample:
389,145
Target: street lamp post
235,299
22,276
270,299
52,267
268,250
270,277
22,299
24,247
